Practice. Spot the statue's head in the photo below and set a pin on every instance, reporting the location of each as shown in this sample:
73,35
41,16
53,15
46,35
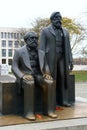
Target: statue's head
56,19
31,39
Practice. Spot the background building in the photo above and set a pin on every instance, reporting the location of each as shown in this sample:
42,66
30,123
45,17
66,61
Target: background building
9,41
8,44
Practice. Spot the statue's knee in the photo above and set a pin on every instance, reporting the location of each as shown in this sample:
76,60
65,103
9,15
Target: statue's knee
28,83
49,82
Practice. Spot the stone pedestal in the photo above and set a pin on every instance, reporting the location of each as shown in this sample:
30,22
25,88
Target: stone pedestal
11,102
63,93
71,96
8,98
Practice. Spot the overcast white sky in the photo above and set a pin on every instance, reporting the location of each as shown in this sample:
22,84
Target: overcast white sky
21,13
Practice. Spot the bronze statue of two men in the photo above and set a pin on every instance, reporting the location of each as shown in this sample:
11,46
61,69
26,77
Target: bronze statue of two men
44,66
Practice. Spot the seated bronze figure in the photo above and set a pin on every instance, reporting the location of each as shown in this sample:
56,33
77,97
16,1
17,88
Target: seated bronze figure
26,68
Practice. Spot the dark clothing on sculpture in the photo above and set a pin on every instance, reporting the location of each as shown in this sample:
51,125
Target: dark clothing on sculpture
48,48
34,60
26,62
55,52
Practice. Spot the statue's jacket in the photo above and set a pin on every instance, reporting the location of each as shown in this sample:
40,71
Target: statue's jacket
21,64
47,49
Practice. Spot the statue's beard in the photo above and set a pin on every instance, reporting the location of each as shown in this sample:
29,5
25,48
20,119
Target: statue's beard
57,24
32,45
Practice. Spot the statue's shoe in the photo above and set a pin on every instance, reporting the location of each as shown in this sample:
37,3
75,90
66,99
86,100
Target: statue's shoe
66,104
31,117
52,115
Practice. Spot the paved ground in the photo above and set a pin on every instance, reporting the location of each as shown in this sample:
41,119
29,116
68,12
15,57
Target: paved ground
81,89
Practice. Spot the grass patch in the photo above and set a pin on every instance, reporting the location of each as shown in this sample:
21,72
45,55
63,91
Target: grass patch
80,76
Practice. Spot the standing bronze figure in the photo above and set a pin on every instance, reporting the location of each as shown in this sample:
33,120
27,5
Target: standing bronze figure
26,68
55,51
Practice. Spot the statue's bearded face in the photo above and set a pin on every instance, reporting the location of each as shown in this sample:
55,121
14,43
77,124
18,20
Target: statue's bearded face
56,21
32,41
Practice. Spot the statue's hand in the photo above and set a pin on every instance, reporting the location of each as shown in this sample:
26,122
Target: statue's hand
39,78
71,66
28,77
47,77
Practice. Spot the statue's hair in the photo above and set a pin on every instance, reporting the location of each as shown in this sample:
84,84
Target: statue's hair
53,15
28,34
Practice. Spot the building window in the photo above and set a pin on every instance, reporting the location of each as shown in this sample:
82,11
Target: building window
3,34
9,43
10,61
3,52
21,35
3,61
16,44
8,35
10,52
15,36
12,36
18,36
3,43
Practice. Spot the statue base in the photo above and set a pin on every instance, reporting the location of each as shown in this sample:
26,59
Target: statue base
78,111
74,117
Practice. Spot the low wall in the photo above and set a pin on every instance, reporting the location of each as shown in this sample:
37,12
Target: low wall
80,67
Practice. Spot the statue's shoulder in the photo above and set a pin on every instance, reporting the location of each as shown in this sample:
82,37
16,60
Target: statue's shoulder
65,29
20,48
45,29
23,47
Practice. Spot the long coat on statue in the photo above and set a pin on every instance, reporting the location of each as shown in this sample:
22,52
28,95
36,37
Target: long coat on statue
47,52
